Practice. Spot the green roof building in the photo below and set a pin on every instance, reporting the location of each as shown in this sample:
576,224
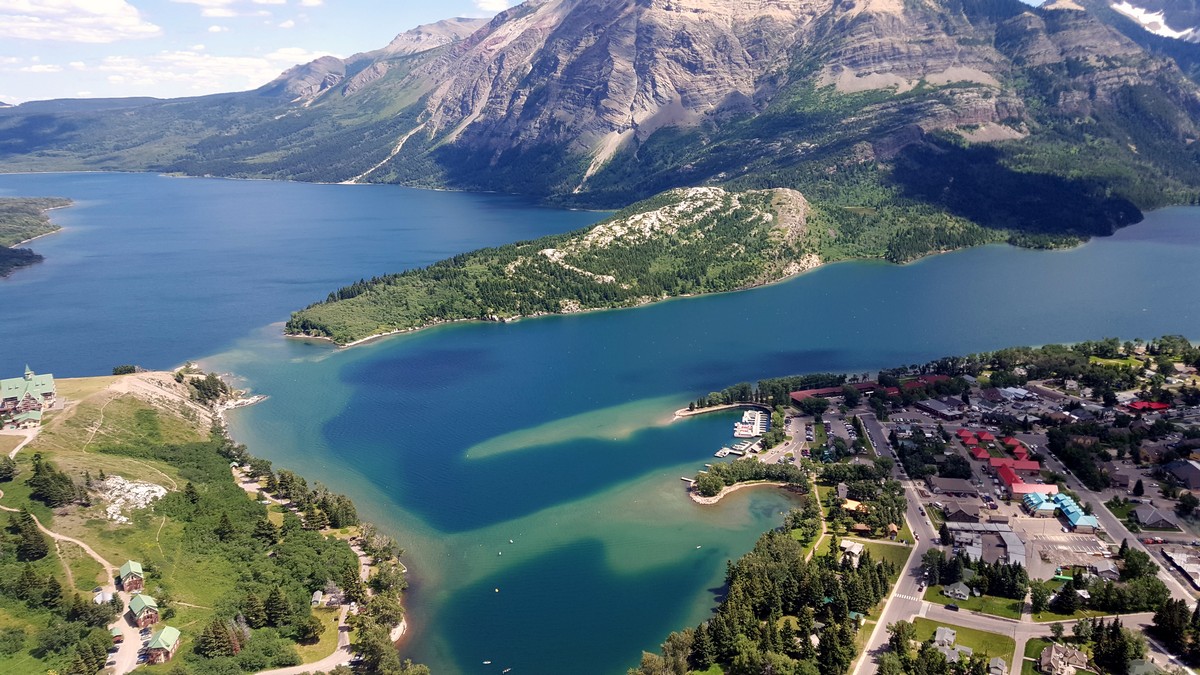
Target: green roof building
23,394
163,645
132,577
140,603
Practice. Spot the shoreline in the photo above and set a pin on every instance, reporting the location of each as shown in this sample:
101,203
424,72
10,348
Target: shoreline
525,317
685,412
730,489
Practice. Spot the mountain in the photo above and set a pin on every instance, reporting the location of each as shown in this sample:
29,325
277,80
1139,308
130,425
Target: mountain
890,112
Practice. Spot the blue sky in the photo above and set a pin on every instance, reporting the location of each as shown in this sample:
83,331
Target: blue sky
94,48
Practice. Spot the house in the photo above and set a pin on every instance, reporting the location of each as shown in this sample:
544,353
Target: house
842,491
945,637
29,393
162,646
952,486
997,666
132,577
25,420
1148,516
892,530
1106,569
102,597
979,453
986,437
144,610
1144,667
1152,452
860,528
857,617
317,597
1020,453
962,512
957,590
1061,660
1187,471
938,409
853,549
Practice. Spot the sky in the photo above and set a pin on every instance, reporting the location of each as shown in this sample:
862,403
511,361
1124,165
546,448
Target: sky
168,48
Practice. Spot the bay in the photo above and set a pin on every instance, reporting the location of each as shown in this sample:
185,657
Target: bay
552,433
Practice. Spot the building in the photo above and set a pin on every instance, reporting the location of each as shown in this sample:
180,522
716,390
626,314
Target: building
1038,505
1106,569
962,512
864,388
144,610
162,646
132,577
29,393
317,597
939,409
952,486
945,637
1061,660
997,666
117,636
1148,406
1187,471
979,453
957,590
986,437
843,491
1076,518
1148,516
1025,467
853,549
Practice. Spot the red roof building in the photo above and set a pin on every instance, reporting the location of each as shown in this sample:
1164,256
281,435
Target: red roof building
1020,453
1026,488
987,437
963,432
969,441
1009,476
1011,442
979,453
1142,406
1022,465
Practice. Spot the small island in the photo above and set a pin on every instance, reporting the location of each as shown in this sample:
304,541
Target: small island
23,219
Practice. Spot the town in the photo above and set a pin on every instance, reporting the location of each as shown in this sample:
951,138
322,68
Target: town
1047,498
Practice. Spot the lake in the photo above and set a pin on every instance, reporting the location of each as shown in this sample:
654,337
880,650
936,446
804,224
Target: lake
553,433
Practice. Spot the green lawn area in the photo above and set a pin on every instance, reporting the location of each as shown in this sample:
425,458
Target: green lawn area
897,555
984,643
996,452
1034,647
1120,363
1049,616
985,603
1029,668
7,443
1121,512
87,572
714,669
935,516
328,642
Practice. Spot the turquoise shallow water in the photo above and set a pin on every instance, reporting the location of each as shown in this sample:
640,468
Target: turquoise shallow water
548,432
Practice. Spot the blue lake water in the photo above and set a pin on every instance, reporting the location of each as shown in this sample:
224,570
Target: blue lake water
551,432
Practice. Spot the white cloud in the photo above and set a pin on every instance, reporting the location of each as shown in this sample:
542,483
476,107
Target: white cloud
288,24
77,65
218,29
201,72
91,21
311,3
492,5
42,68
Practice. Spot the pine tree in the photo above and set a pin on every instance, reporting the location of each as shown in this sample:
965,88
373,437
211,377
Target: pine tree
216,640
190,493
31,545
266,532
8,469
79,666
52,595
29,585
224,529
277,609
254,611
1123,549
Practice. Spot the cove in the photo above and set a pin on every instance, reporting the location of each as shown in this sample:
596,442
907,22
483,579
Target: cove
546,432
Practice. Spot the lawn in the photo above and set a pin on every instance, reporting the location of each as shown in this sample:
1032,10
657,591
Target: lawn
987,604
996,452
87,572
1121,512
984,643
1029,668
328,642
1119,363
897,555
1050,616
714,669
1034,647
8,442
935,516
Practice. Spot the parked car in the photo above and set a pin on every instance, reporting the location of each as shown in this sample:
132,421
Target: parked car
952,607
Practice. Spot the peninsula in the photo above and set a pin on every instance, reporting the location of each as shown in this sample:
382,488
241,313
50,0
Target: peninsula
21,220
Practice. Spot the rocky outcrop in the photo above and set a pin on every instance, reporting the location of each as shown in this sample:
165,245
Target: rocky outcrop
431,36
307,81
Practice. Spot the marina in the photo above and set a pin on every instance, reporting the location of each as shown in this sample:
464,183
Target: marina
754,423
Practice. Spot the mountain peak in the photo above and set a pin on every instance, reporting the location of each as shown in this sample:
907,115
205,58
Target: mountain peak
431,36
